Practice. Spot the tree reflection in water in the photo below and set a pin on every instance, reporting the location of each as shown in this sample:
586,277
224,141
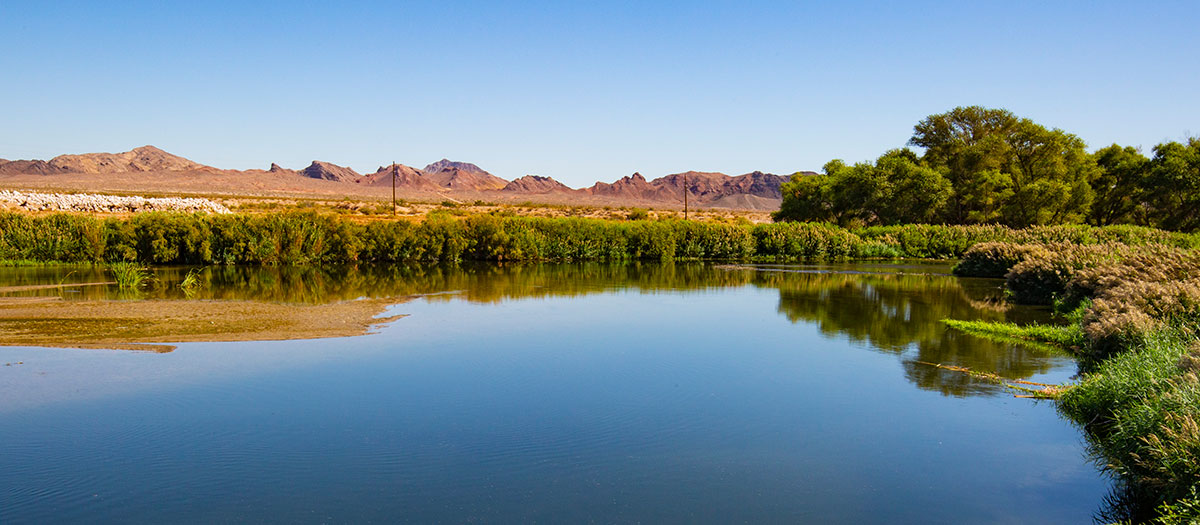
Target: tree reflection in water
892,308
902,313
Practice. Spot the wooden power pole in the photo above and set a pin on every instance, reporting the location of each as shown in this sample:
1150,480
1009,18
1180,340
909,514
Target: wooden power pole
685,192
393,189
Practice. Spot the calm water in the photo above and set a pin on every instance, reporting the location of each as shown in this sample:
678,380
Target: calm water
555,393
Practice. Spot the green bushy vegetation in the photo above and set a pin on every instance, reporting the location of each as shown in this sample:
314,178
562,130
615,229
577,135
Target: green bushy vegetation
302,238
805,241
989,166
954,241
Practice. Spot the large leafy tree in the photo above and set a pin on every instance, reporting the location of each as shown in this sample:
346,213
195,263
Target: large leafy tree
967,144
806,198
1172,186
914,193
983,165
894,189
1047,176
1006,169
1118,183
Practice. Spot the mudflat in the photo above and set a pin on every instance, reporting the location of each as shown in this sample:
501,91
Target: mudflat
153,324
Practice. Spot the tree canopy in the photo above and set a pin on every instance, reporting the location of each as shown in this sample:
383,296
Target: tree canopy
895,189
983,165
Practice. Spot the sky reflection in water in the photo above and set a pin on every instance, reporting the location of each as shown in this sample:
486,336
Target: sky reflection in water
557,393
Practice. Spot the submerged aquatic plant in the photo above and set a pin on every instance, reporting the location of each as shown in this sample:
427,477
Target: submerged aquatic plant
192,279
191,282
129,275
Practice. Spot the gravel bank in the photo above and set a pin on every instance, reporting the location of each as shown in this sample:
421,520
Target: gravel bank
90,202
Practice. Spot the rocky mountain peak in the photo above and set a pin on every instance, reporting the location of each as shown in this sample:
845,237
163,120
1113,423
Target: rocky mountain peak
448,165
536,184
329,171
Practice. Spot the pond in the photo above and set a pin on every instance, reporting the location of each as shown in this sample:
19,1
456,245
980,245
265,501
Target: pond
554,392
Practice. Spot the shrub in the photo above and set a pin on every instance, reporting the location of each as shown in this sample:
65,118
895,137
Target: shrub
1125,312
637,214
1043,275
804,241
995,259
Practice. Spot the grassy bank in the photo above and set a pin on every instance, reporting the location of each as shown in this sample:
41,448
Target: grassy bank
1136,331
310,238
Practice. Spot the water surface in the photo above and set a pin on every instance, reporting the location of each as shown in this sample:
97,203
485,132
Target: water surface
610,393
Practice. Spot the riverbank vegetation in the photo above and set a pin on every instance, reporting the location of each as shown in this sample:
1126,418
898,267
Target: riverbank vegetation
1135,313
304,238
988,166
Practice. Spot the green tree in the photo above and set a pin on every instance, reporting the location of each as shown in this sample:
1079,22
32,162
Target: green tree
914,193
1047,175
1006,169
1173,186
897,188
967,144
806,198
1118,185
855,192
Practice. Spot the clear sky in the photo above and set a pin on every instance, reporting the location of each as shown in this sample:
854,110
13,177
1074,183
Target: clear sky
581,91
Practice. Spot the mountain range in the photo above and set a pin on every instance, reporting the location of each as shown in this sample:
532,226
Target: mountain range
444,178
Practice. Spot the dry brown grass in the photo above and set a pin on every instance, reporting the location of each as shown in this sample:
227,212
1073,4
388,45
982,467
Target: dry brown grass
1138,307
994,259
1154,264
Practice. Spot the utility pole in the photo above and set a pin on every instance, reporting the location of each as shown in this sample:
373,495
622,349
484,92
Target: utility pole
685,192
393,189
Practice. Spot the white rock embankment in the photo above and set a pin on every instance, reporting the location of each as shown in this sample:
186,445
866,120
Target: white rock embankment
90,202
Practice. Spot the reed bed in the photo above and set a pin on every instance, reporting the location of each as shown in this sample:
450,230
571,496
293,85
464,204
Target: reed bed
129,275
304,238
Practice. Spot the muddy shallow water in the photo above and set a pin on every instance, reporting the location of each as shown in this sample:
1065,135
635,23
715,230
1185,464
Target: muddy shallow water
639,392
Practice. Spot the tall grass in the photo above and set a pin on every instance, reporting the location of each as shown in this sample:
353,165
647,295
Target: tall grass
306,238
191,280
1043,273
1059,338
129,275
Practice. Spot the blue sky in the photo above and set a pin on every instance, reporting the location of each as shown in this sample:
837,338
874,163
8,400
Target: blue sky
581,91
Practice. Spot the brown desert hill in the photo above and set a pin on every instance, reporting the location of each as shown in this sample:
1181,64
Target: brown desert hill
633,187
145,158
31,167
708,186
536,184
446,164
757,183
742,201
149,169
329,171
462,176
278,171
407,177
275,168
701,185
